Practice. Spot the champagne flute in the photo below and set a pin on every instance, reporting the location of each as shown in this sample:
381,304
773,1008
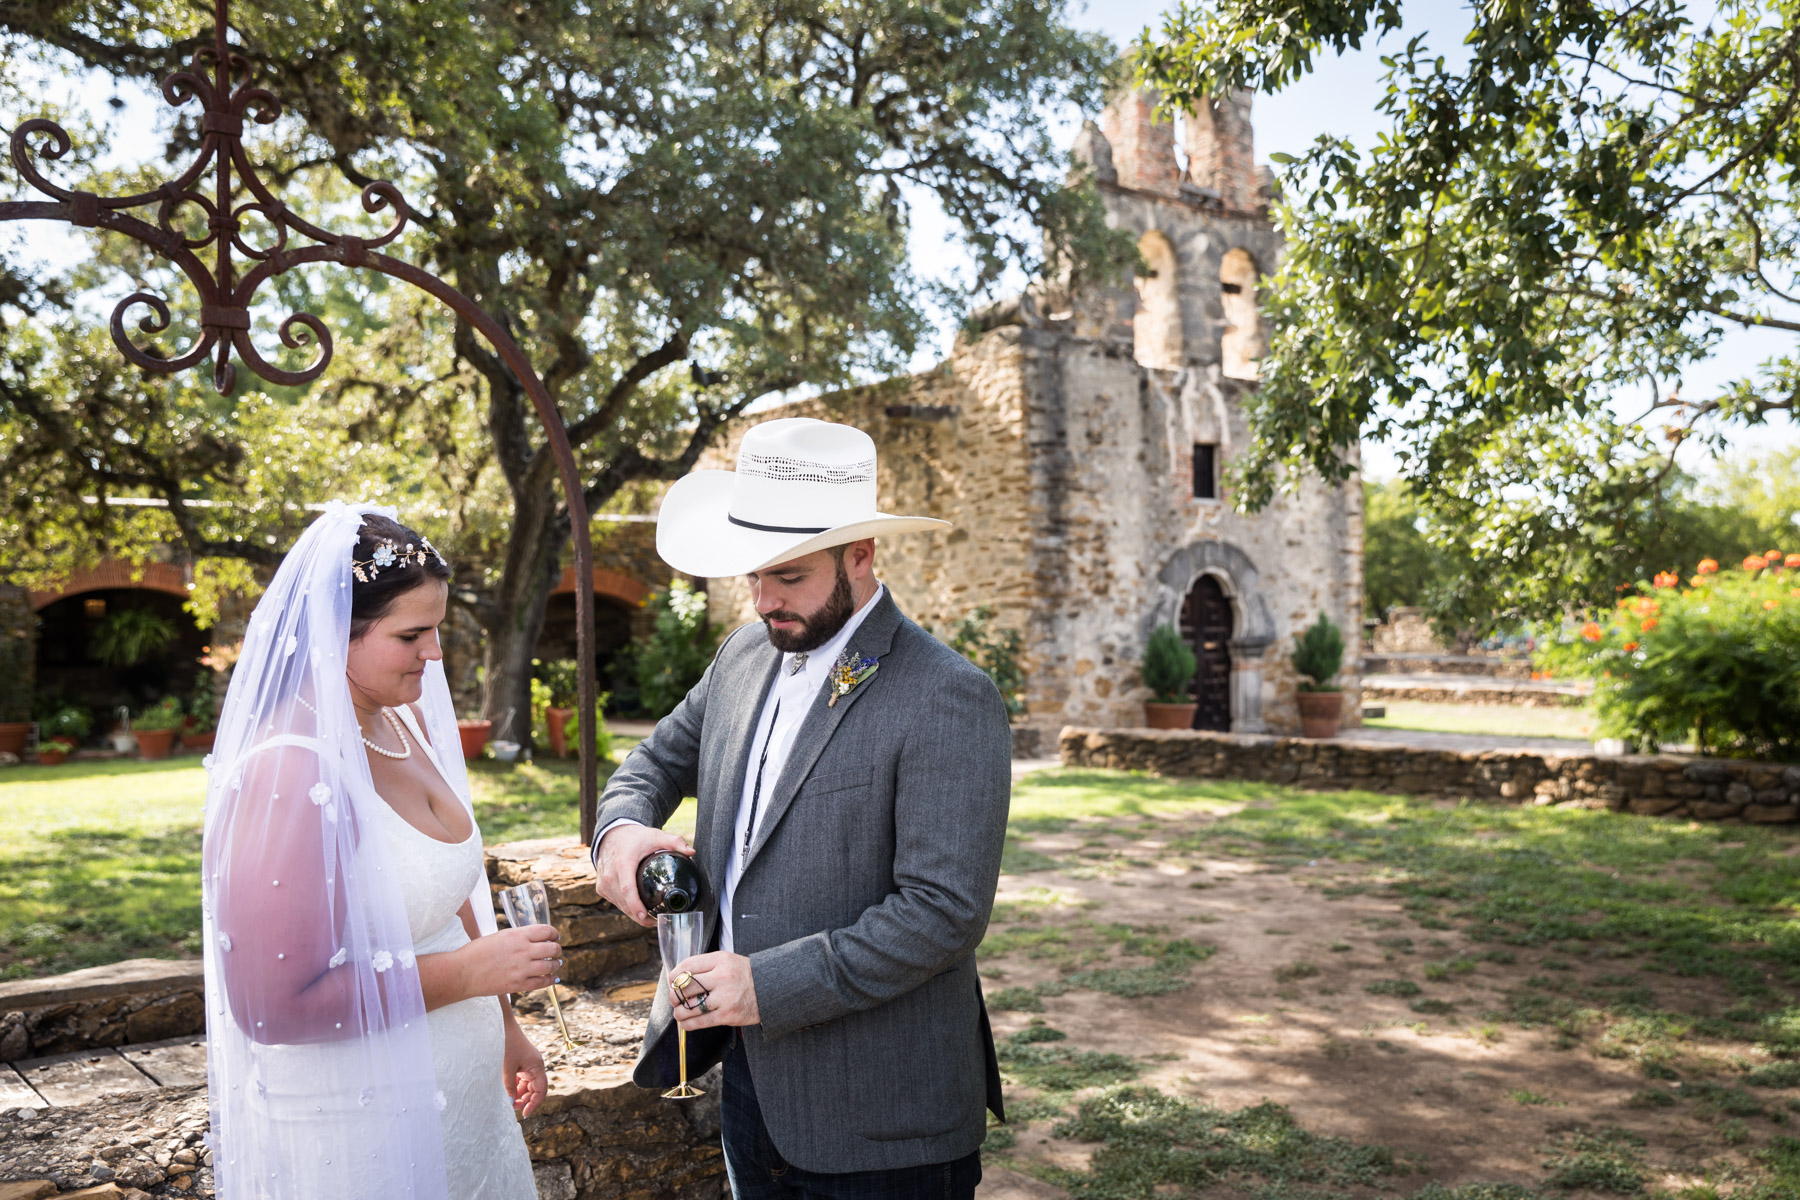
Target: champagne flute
529,904
679,937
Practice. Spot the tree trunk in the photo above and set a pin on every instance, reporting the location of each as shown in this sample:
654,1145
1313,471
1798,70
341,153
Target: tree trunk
533,564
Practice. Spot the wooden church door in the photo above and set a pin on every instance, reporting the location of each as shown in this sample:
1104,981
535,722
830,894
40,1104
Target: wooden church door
1206,626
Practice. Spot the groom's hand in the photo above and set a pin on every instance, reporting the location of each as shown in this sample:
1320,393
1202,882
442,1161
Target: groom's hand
621,850
724,980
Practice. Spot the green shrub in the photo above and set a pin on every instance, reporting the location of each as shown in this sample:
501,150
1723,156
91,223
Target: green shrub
1716,661
1318,653
164,714
202,706
563,678
131,635
69,723
670,662
1168,666
996,651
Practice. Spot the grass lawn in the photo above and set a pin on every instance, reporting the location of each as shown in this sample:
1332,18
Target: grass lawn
1647,968
1507,720
101,861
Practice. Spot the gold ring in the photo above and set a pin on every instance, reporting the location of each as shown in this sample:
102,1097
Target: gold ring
681,980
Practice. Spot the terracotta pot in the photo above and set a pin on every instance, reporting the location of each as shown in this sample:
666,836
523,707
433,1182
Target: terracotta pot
1319,712
198,741
155,743
1168,716
13,735
51,753
558,720
474,736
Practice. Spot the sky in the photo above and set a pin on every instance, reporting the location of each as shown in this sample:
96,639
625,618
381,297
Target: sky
1339,97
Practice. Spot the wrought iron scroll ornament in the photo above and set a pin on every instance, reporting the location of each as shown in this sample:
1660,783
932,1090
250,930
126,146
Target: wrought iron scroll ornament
227,100
220,80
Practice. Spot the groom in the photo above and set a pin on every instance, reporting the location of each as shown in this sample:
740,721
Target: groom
853,779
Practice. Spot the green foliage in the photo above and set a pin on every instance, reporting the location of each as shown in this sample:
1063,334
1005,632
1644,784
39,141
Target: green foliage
996,651
603,742
1038,1064
164,714
1151,1142
1392,987
72,722
130,635
563,677
1168,666
1318,653
1717,661
1610,1160
1400,564
1571,210
203,704
681,645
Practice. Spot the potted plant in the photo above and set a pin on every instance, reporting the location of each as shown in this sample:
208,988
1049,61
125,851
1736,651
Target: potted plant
474,733
131,635
202,720
1318,653
54,750
563,678
1167,669
156,727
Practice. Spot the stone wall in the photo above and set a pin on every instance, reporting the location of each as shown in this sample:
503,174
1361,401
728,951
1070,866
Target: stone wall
123,1003
598,1136
598,940
1707,789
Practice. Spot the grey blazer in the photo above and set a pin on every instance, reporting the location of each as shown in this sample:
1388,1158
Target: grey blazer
869,885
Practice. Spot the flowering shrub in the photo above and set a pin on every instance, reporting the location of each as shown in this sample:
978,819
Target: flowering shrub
1716,662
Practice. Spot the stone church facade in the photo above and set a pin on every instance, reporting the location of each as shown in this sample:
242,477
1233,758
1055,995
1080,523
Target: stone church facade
1079,445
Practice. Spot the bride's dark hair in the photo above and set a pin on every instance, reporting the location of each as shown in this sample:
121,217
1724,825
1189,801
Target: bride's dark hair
371,599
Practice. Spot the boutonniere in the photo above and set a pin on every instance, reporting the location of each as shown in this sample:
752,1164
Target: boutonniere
847,673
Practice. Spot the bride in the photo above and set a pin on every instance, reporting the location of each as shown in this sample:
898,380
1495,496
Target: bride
360,1043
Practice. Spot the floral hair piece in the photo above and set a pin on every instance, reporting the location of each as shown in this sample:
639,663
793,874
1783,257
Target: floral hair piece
389,553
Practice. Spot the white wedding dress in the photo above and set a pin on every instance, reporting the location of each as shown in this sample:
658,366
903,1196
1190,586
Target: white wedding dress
326,1153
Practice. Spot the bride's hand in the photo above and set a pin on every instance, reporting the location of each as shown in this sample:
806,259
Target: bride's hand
522,1071
512,960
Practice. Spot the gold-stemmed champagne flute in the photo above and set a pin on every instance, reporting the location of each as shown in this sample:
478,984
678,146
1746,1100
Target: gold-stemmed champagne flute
529,904
678,936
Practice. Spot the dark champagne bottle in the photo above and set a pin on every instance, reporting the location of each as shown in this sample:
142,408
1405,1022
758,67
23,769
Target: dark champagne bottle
670,883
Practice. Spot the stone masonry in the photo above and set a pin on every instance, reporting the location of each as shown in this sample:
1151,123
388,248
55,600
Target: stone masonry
1061,437
1663,785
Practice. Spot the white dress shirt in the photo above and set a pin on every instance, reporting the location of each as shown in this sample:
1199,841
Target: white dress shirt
784,711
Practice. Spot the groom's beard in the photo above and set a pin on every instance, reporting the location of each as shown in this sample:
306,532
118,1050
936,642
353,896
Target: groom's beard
819,628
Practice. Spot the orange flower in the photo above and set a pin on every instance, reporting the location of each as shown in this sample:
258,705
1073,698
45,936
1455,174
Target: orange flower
1774,557
1708,566
1668,579
1651,623
1769,604
1591,632
1644,606
1791,561
1630,646
1755,562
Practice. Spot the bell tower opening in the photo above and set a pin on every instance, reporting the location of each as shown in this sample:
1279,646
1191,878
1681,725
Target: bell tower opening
1241,345
1156,327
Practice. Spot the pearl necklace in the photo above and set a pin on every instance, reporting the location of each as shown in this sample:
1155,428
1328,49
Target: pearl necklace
405,751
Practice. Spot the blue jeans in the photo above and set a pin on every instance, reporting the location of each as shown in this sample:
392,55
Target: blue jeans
758,1172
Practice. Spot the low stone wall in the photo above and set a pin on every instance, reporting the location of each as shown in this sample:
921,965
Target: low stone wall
598,940
140,1000
599,1136
1377,689
1708,789
1489,665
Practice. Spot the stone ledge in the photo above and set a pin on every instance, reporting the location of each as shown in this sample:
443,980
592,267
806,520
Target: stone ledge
1708,789
601,1137
598,937
137,975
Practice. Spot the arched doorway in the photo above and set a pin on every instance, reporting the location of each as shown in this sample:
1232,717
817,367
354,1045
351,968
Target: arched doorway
1206,626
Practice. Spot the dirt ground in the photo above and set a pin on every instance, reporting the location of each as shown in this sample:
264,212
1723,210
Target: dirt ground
1466,1098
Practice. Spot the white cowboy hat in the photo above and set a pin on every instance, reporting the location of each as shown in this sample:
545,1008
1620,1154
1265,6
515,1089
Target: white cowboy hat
801,485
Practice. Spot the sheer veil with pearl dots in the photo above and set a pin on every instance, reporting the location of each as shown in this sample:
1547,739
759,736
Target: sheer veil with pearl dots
319,1058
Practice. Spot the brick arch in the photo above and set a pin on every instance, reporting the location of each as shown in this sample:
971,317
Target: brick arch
113,573
622,588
